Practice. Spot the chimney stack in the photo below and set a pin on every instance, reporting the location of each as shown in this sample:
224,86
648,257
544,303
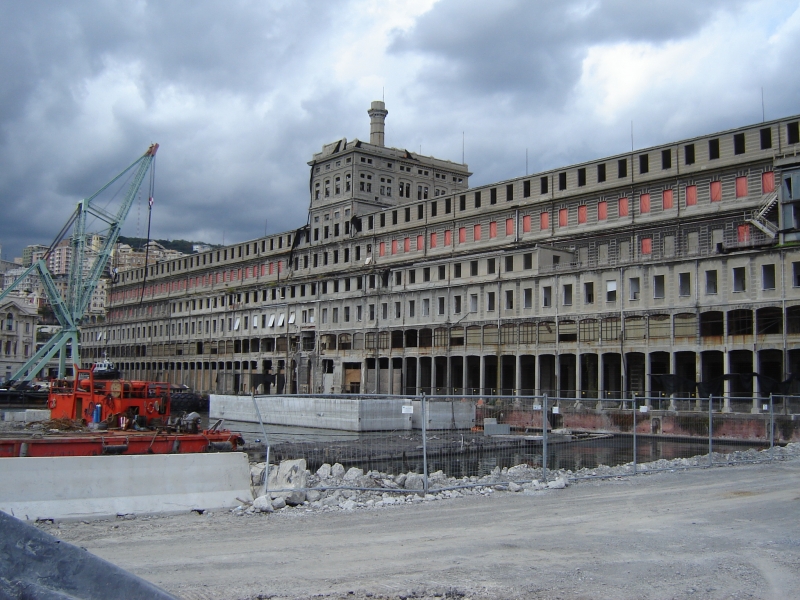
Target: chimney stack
377,115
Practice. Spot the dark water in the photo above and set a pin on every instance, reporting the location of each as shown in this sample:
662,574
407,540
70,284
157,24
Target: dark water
396,452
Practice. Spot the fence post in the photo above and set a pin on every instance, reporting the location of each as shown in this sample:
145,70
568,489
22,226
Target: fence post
425,444
710,430
771,428
266,443
544,438
634,434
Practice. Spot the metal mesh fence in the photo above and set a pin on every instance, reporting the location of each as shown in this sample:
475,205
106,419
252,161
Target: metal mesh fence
419,445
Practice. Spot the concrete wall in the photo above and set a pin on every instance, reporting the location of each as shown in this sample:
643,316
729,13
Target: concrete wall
346,414
71,487
453,414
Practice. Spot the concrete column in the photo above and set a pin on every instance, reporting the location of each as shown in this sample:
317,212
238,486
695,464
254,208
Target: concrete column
464,375
482,383
537,390
418,376
578,376
647,385
672,406
726,400
601,380
390,383
517,376
698,370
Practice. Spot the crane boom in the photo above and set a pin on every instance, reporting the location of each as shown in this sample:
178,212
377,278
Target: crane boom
82,281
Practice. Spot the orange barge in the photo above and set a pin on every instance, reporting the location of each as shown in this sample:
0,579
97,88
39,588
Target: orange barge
125,417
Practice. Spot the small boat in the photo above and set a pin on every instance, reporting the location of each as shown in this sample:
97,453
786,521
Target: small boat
105,369
123,416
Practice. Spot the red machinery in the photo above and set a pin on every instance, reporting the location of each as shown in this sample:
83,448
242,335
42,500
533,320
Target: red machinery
127,417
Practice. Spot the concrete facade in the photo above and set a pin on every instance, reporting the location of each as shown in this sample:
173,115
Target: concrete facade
18,321
583,281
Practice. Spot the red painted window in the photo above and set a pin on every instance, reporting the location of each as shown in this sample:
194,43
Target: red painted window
691,195
644,203
743,233
716,191
602,211
667,199
526,224
741,187
382,250
394,246
406,245
582,214
767,182
623,207
420,243
647,245
476,233
462,235
544,221
562,217
271,269
433,240
509,226
493,229
448,237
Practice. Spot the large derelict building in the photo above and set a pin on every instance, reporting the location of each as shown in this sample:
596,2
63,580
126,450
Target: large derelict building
582,281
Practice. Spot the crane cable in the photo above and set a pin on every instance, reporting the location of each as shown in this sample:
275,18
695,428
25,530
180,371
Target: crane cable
149,219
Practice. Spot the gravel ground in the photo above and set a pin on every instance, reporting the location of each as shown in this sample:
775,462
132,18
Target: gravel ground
725,532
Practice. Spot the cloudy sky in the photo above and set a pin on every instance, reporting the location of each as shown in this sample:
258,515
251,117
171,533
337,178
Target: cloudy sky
240,94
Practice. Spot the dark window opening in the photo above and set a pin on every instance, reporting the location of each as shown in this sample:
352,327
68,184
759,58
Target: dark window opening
562,181
766,138
688,154
738,143
713,149
622,168
601,173
666,159
793,133
581,177
543,184
644,163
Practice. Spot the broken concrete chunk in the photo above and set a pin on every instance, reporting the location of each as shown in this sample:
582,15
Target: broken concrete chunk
289,475
353,473
263,504
337,470
324,471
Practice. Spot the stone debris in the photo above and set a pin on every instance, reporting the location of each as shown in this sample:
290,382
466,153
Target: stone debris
325,489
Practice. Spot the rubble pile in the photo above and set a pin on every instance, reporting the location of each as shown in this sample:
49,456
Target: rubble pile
332,487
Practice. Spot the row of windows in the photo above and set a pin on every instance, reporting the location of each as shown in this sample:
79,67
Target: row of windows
469,303
711,323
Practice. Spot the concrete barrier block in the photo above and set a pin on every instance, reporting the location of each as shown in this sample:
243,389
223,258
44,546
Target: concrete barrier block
446,414
71,487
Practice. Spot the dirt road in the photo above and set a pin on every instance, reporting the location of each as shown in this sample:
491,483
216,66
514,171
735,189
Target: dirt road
731,532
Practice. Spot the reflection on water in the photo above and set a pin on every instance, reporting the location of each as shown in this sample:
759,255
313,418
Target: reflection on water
400,452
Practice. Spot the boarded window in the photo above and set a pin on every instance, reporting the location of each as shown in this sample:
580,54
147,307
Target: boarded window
741,187
420,242
767,182
476,233
691,195
647,245
623,207
509,226
433,240
407,245
562,217
667,200
582,214
602,211
544,221
448,237
658,326
462,235
686,325
743,233
381,251
644,203
493,229
526,224
716,191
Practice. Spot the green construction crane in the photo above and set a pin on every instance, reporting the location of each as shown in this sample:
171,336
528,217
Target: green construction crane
83,277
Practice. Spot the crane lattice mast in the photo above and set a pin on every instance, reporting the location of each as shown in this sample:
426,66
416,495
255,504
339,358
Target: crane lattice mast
83,277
